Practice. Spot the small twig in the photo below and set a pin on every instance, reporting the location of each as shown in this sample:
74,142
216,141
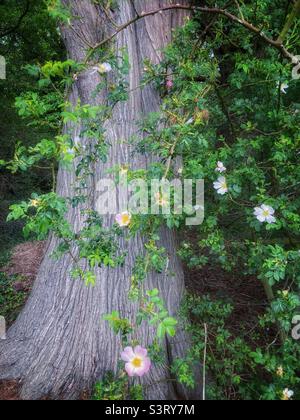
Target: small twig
239,9
85,41
274,133
114,24
249,85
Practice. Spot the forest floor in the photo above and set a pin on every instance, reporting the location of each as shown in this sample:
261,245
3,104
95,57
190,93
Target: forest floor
16,280
246,293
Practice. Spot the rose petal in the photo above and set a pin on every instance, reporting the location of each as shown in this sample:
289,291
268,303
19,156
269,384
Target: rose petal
147,364
140,351
223,191
119,218
144,368
271,219
130,369
128,354
265,208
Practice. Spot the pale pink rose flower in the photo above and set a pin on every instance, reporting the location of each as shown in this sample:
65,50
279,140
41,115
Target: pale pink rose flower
124,219
169,84
137,361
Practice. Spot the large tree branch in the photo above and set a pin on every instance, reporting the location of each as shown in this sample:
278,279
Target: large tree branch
211,10
20,20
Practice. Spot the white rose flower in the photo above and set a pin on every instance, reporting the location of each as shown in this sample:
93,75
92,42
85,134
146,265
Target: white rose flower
123,219
102,68
283,87
265,213
287,394
221,167
221,185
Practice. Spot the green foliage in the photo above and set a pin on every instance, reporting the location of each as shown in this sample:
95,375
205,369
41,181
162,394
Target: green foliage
153,308
99,245
11,300
36,38
113,388
58,11
42,214
239,371
228,104
118,325
182,369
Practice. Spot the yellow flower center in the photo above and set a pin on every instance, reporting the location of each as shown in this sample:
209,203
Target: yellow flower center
137,362
125,219
266,213
34,203
280,371
124,170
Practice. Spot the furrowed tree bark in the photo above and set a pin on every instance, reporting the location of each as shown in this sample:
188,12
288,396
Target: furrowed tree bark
59,346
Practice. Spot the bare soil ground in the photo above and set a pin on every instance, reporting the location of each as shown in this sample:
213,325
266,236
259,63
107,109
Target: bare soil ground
9,391
25,262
